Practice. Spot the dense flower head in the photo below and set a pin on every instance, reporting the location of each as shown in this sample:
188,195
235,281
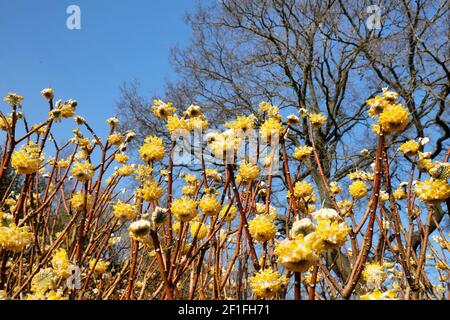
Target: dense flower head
60,263
270,110
360,175
209,205
48,93
317,119
150,191
14,238
124,211
177,125
326,213
394,118
267,283
243,123
198,229
125,170
116,138
248,171
13,99
400,193
162,109
302,153
272,127
262,228
297,255
153,149
379,295
303,189
79,201
302,227
224,145
228,212
409,148
330,234
335,188
374,273
261,209
184,209
98,267
213,174
27,159
358,189
83,171
121,158
432,190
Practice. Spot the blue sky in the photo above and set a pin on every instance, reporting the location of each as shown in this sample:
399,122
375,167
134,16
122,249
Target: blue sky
119,41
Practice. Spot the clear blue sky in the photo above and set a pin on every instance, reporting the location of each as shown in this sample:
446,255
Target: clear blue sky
119,41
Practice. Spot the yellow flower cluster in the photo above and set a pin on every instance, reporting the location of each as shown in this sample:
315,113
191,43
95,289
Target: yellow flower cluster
163,110
374,273
243,123
378,295
358,189
303,189
271,127
60,263
432,190
297,255
124,211
302,153
230,215
150,191
184,209
262,228
121,158
409,148
27,159
15,238
332,234
83,171
153,149
267,283
209,205
125,170
98,268
198,229
247,172
78,199
317,119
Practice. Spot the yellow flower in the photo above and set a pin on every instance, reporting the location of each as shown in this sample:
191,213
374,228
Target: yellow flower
189,190
400,193
378,295
248,171
271,127
13,99
269,109
267,283
151,191
377,105
4,125
409,148
27,159
124,211
297,255
243,123
153,149
116,139
184,209
83,171
358,189
330,234
121,158
374,274
100,267
213,174
317,119
302,153
303,189
394,118
209,205
77,201
125,171
15,238
43,281
63,163
230,215
432,190
262,228
162,110
197,123
335,188
176,125
60,263
199,229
